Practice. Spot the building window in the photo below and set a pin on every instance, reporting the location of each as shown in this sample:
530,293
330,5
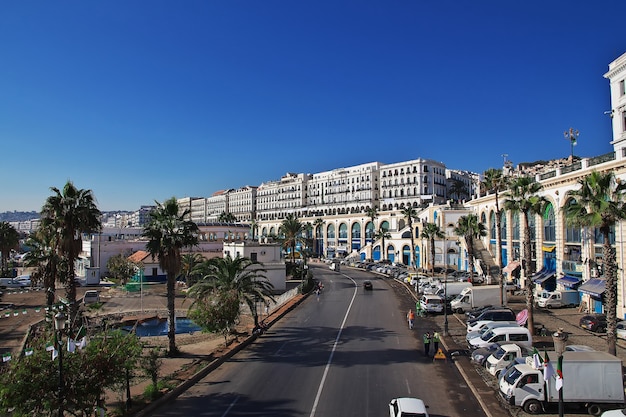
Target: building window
622,87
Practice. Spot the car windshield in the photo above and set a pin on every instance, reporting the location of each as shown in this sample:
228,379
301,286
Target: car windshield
512,375
498,354
487,335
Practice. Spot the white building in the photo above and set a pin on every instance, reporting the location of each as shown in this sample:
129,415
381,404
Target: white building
268,254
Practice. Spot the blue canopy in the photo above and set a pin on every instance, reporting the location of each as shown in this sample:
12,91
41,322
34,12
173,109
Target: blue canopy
569,281
595,287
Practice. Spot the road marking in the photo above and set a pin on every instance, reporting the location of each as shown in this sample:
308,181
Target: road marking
280,348
230,406
408,388
332,352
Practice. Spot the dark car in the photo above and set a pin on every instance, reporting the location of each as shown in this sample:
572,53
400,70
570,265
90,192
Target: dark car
472,314
494,314
480,355
367,285
593,322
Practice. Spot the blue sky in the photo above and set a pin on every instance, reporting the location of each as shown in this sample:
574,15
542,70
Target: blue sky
144,100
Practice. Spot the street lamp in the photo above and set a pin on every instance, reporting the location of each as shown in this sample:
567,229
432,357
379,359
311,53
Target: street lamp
572,136
560,339
59,324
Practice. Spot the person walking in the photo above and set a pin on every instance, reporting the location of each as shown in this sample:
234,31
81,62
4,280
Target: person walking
410,316
436,339
427,340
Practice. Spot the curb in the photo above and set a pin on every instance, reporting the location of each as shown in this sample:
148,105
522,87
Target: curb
184,386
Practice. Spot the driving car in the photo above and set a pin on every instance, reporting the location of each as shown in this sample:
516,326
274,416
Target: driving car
367,285
593,322
407,407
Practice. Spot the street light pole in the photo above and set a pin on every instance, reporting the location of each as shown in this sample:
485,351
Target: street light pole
445,279
59,324
560,338
572,136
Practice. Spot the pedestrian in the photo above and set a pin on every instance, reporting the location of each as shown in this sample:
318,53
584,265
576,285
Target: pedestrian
427,340
410,316
436,339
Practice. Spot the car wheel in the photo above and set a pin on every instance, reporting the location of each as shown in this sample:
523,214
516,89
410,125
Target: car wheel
532,407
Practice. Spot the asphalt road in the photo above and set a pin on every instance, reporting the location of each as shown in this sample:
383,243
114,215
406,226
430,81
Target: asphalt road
344,353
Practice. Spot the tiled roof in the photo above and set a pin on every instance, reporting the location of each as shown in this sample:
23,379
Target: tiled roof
138,256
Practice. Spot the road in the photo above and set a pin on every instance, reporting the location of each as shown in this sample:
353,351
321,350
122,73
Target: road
344,353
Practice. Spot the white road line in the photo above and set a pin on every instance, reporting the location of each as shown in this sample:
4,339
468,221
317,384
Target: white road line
332,352
231,406
280,348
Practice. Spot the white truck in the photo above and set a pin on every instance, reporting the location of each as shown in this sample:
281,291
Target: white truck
590,379
561,298
452,289
475,297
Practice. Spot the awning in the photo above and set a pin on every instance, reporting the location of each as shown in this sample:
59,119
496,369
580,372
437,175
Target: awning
594,287
544,278
548,248
569,281
539,275
512,266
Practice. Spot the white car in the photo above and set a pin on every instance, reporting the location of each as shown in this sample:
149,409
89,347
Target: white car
621,329
407,407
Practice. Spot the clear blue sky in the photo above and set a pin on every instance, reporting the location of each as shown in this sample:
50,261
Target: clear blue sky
145,100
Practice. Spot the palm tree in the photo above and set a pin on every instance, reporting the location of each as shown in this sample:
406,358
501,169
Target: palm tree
523,199
470,229
44,257
600,203
9,240
227,218
189,266
254,225
495,181
382,234
241,275
409,214
68,214
168,233
318,224
430,231
458,189
372,213
291,234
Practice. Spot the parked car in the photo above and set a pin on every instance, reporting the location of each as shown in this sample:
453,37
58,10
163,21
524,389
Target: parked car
413,407
432,303
579,348
367,285
480,355
91,297
593,322
621,329
494,314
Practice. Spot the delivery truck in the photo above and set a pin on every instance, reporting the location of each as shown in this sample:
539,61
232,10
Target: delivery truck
561,298
476,297
452,289
592,380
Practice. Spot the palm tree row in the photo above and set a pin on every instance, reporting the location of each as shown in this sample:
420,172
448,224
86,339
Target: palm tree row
9,240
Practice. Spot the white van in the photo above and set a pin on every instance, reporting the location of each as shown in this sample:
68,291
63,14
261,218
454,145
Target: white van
431,303
518,335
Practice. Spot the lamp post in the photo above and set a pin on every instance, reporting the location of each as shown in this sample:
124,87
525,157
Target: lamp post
572,136
59,324
445,279
560,339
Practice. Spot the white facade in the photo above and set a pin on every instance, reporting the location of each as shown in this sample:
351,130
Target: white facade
276,199
216,205
242,203
268,254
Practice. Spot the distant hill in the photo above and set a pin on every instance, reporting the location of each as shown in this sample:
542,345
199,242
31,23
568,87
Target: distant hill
18,216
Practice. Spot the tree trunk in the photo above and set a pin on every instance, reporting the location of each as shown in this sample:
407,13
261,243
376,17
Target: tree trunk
528,273
610,274
499,250
171,310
